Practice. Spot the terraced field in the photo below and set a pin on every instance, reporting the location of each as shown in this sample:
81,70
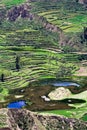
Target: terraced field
69,16
74,22
37,49
30,52
26,33
35,64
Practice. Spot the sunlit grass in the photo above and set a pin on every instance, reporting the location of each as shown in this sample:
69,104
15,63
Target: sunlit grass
10,3
69,22
72,113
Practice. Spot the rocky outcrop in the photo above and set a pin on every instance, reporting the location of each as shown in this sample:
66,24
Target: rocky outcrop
47,25
22,11
83,1
64,93
59,93
21,119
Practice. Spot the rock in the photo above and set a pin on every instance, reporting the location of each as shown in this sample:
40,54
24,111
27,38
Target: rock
22,11
59,93
83,1
19,96
22,119
45,98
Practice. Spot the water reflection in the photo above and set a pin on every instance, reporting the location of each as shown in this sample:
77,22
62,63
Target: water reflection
65,84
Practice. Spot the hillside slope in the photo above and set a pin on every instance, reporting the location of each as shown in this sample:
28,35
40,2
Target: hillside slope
26,120
40,40
67,23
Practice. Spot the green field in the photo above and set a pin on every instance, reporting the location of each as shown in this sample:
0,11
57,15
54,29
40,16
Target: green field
69,19
10,3
73,113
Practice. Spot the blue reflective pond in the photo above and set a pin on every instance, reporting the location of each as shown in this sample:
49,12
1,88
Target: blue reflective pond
65,84
18,104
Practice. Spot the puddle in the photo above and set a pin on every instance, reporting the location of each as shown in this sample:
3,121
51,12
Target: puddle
17,104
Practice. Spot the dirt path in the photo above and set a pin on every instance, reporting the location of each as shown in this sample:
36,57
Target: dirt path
82,71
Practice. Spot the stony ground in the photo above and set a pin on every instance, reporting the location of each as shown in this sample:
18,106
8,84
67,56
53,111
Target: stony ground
25,120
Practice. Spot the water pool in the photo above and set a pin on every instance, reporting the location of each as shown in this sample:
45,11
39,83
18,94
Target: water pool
16,104
65,84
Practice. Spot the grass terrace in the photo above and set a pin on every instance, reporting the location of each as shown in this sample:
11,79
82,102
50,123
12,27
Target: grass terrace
69,16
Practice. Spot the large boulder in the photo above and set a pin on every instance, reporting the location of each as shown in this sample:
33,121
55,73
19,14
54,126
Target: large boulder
59,93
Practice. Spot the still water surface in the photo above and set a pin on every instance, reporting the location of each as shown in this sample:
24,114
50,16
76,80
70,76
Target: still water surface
17,104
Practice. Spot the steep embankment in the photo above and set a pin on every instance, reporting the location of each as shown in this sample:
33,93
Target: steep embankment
69,16
24,11
14,119
50,15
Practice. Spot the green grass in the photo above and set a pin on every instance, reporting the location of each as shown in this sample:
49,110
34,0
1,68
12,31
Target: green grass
3,93
68,15
72,113
84,117
26,34
10,3
69,22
